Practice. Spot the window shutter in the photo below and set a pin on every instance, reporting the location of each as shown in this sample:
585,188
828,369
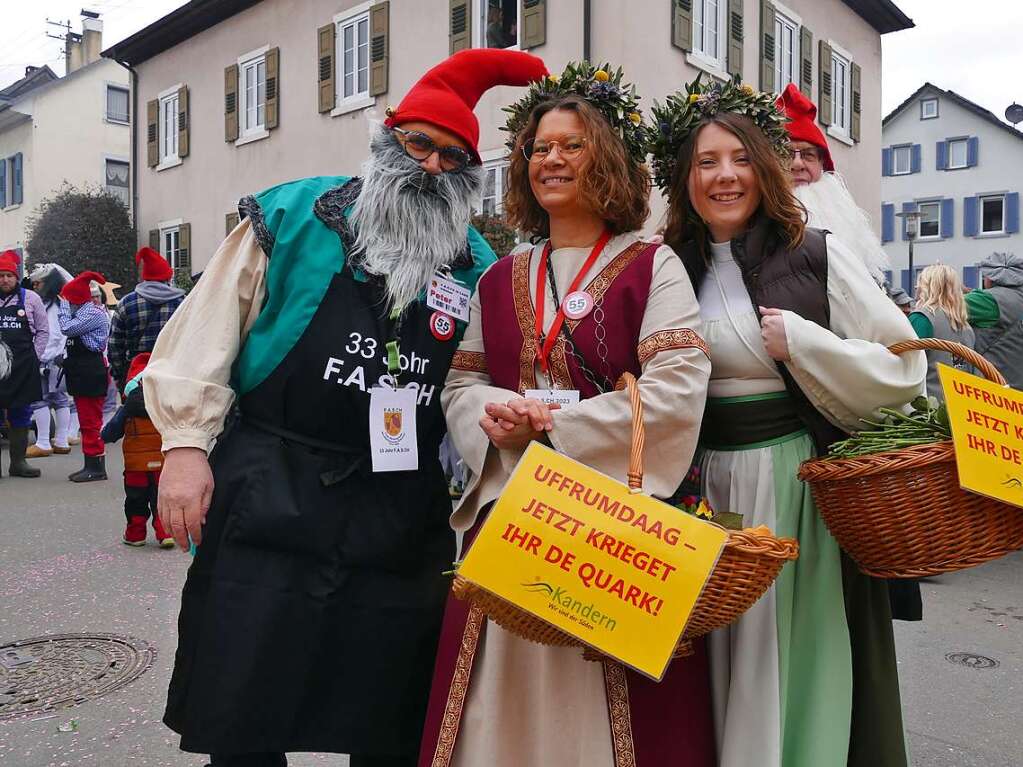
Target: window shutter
273,88
185,249
906,282
534,23
460,29
231,103
1012,212
806,62
379,47
767,46
154,240
824,83
887,222
916,158
230,222
947,218
153,133
906,207
735,35
887,160
971,210
854,87
17,189
682,24
972,151
325,66
970,276
183,126
3,183
941,155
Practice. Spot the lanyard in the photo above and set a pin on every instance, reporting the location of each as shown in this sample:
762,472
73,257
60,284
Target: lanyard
393,346
545,344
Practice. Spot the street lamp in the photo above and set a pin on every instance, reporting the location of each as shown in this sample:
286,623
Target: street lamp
911,218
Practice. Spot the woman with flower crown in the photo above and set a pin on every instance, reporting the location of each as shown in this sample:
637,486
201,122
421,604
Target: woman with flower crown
572,312
797,333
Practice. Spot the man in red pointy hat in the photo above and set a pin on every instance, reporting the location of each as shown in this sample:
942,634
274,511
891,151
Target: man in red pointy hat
142,314
310,617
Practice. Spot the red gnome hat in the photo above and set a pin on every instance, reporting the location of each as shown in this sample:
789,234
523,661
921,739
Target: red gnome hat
802,126
138,364
9,261
446,95
78,291
154,266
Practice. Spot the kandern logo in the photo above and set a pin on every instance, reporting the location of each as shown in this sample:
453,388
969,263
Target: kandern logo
393,426
576,610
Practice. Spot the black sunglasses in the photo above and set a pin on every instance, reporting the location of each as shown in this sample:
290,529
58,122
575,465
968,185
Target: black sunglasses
420,147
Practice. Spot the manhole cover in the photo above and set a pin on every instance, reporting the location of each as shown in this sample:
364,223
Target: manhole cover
970,660
61,670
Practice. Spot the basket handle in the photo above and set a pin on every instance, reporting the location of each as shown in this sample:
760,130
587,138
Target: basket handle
962,352
635,475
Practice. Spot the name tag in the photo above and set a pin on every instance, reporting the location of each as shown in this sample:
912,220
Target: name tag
449,297
392,429
564,397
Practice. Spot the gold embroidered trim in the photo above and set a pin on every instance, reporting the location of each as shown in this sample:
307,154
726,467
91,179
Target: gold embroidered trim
459,687
474,362
621,716
527,319
663,340
600,284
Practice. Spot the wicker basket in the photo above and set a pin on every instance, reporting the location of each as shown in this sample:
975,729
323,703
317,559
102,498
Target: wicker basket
902,514
746,568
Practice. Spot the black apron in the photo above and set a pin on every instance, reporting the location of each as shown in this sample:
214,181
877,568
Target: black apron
311,614
84,370
23,386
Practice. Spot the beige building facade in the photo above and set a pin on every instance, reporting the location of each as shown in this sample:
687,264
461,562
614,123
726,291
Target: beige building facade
233,101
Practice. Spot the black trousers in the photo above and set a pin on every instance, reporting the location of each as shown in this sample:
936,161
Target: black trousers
140,500
280,760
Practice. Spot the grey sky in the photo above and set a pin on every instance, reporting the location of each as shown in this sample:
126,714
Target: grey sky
976,52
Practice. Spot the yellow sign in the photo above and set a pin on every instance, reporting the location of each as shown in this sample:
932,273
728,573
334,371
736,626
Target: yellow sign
619,571
987,428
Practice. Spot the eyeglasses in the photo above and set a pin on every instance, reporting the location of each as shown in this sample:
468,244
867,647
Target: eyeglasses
420,147
808,156
538,150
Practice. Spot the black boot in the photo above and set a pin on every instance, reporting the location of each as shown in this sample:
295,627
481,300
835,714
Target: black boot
19,444
95,469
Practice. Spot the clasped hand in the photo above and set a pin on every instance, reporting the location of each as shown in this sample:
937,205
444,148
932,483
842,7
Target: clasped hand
514,424
772,331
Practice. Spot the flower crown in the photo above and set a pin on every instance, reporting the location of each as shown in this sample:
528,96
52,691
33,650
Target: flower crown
600,86
682,113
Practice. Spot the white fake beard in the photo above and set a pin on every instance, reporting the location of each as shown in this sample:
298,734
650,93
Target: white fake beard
408,222
830,206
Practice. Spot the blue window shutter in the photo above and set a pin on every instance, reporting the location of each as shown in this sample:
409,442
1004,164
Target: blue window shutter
971,210
3,183
906,286
916,158
886,161
906,207
1012,212
888,276
970,276
941,155
887,222
972,151
947,218
16,185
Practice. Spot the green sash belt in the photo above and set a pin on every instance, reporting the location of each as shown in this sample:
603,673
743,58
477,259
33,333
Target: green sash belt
750,422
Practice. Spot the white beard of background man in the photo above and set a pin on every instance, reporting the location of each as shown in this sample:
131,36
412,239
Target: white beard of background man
828,202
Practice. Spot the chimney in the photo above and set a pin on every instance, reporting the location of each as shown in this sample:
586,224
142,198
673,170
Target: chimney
72,52
92,39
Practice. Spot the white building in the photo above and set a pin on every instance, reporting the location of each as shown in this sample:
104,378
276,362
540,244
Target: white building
73,129
962,168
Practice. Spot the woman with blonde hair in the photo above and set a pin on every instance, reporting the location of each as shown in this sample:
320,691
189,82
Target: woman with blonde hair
941,313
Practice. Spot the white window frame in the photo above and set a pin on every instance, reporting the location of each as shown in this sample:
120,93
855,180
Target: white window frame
172,228
106,103
359,99
909,159
981,232
108,158
924,115
965,141
928,237
698,56
164,98
248,133
496,162
479,26
841,93
785,18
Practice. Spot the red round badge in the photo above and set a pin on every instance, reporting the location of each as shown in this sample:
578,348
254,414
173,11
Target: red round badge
442,326
577,305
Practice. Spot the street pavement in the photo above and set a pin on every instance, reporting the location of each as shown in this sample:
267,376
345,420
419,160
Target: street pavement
64,570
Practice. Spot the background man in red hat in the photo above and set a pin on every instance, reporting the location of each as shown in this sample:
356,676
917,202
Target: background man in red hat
24,333
820,187
141,314
310,617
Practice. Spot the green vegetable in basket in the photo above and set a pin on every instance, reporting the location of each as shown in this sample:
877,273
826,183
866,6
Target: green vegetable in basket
927,422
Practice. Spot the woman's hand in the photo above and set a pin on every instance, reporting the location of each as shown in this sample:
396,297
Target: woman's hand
515,424
772,331
186,487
